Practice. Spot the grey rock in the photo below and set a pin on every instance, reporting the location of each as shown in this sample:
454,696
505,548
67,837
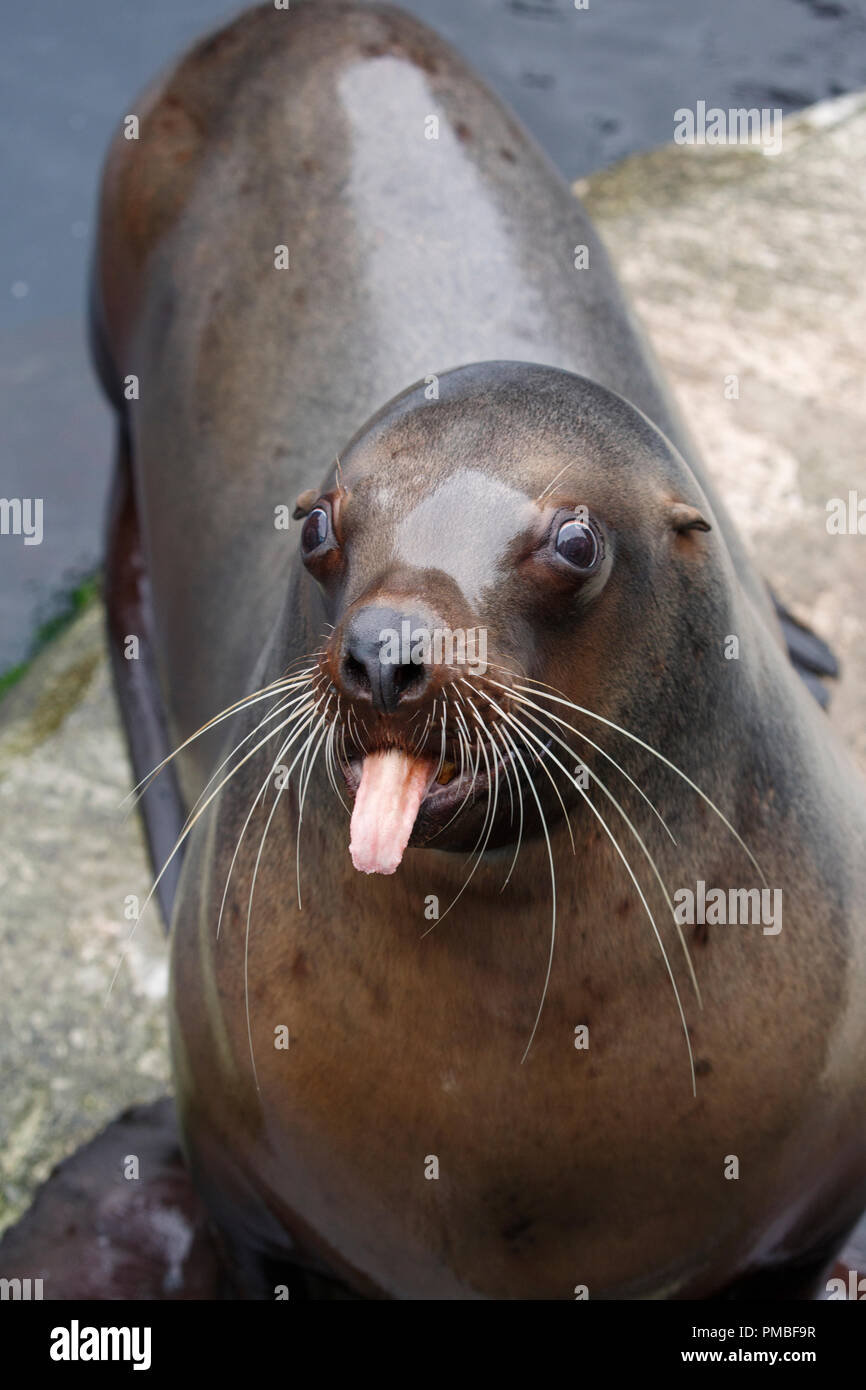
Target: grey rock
751,265
69,1058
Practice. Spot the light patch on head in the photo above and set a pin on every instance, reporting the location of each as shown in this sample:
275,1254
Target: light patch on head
464,527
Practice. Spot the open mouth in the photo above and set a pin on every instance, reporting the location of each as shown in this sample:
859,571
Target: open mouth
404,799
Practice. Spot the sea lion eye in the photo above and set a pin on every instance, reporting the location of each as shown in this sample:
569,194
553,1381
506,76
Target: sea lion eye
315,530
578,544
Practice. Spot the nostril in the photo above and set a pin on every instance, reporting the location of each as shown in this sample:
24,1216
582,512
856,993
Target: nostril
407,676
356,673
374,667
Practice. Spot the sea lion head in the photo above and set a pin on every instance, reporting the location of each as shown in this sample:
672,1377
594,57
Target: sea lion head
496,545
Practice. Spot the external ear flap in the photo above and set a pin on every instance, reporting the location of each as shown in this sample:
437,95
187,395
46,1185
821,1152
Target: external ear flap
685,518
304,504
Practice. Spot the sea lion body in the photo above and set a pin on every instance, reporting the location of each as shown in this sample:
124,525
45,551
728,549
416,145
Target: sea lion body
400,1142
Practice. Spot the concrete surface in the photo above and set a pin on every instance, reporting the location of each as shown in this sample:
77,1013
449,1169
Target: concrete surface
739,264
68,1060
748,265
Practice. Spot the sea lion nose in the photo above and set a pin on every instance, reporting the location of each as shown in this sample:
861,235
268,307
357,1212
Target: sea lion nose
383,657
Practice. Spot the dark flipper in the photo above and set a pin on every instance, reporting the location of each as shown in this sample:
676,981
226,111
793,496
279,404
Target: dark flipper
810,657
808,1277
91,1234
127,595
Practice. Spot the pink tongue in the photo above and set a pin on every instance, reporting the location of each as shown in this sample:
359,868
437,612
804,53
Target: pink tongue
392,788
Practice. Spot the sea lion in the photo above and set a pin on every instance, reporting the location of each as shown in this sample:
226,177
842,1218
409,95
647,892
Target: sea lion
457,1048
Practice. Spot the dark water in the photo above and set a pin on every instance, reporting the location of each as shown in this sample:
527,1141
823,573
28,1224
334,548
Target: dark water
593,85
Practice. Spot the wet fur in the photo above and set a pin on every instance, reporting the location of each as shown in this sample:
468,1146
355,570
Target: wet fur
597,1168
